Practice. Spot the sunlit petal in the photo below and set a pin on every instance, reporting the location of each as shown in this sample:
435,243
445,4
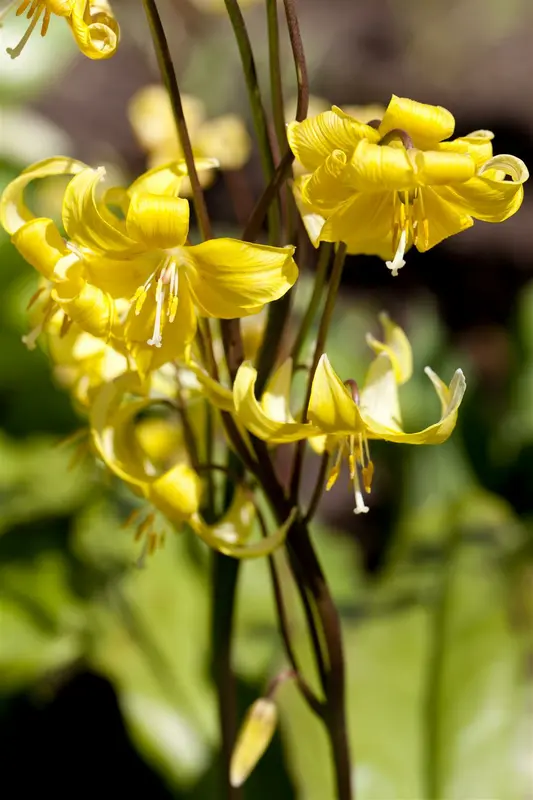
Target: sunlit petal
158,221
425,124
331,407
396,346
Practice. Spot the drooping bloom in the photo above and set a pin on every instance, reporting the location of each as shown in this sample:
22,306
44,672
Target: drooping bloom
126,271
174,491
386,185
348,417
224,138
92,22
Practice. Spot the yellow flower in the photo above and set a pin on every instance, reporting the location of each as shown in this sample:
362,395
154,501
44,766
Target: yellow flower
343,417
127,271
384,186
92,22
174,492
254,736
224,138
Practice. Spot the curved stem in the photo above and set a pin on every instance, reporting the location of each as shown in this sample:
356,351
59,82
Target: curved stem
319,487
318,288
168,74
323,330
299,59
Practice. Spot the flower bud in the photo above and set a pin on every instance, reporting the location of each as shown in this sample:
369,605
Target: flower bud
254,737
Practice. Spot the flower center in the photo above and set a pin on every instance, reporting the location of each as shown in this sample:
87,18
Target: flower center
36,8
166,294
409,221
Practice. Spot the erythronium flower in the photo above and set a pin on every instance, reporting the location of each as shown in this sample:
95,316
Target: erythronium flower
341,416
384,186
174,492
92,22
127,269
224,138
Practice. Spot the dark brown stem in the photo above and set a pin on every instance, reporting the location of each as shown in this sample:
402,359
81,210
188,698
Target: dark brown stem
319,487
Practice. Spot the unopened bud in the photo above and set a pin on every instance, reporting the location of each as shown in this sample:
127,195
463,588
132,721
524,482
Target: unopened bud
254,737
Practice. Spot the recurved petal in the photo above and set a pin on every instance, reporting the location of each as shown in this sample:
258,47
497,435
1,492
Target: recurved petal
13,210
158,221
176,494
251,414
425,124
41,244
95,29
489,196
450,397
364,223
275,400
88,222
379,401
331,407
375,168
216,536
315,138
226,139
313,221
478,145
329,185
220,396
168,178
229,278
436,167
91,308
443,217
396,346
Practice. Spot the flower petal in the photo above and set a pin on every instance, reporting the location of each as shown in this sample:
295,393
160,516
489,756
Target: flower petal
315,138
229,278
331,407
478,145
90,223
218,395
313,222
329,185
396,346
13,210
216,537
251,414
41,244
444,219
425,124
376,167
176,494
379,401
168,178
437,433
87,305
364,223
158,221
437,167
275,400
489,196
98,36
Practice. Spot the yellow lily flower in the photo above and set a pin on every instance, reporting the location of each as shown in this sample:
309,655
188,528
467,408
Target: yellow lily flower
127,270
174,492
224,138
92,22
384,186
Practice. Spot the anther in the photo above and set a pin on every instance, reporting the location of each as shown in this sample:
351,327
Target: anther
353,388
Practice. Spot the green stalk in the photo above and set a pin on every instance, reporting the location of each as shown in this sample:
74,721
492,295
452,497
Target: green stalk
259,117
323,330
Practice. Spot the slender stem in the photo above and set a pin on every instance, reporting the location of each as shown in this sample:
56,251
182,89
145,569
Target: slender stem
253,227
319,487
276,87
256,106
323,330
318,288
225,575
168,74
299,59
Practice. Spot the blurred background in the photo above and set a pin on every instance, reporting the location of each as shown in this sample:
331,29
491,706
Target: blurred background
105,681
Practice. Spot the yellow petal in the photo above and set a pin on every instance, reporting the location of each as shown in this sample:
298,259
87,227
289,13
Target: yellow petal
41,244
229,278
176,493
444,218
379,401
313,222
217,536
158,221
425,124
478,145
396,346
13,210
95,29
168,178
218,395
226,139
489,196
254,737
377,167
331,184
331,407
91,308
119,277
315,138
251,414
90,223
275,400
437,167
437,433
364,223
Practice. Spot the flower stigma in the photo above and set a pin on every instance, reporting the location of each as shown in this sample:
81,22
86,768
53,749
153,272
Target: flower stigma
166,280
35,10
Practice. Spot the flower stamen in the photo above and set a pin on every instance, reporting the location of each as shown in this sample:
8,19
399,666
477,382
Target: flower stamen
160,293
34,14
